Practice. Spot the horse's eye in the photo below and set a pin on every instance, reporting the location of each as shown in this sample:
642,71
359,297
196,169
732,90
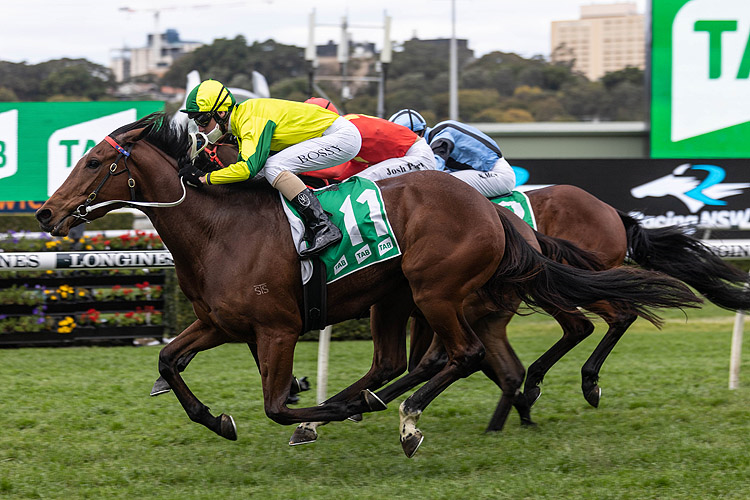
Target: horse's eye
93,163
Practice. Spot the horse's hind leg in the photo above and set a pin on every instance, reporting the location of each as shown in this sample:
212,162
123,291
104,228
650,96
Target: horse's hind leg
465,353
420,339
197,337
502,366
576,327
618,324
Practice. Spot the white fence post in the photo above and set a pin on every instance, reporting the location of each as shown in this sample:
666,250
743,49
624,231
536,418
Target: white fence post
323,347
736,352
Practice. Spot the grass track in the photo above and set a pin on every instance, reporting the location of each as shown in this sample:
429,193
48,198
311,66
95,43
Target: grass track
78,423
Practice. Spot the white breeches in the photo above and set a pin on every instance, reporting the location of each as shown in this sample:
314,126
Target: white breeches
418,157
338,144
497,182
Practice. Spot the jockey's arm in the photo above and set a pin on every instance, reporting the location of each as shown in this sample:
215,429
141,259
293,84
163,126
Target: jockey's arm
442,149
255,148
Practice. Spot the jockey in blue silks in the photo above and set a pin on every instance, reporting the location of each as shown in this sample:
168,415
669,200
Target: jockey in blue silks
465,152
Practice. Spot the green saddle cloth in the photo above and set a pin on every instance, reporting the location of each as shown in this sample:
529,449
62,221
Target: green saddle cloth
357,208
518,203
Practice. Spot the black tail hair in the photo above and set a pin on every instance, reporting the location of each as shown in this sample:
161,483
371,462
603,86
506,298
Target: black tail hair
681,256
546,284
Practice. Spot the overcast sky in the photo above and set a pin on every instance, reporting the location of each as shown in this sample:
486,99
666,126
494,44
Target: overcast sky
35,31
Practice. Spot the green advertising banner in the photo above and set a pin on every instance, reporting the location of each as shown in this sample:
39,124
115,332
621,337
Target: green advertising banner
41,141
700,65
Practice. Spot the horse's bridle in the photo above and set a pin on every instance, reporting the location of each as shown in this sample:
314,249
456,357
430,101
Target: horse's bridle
83,210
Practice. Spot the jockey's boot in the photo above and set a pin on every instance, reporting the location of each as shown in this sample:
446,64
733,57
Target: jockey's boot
325,232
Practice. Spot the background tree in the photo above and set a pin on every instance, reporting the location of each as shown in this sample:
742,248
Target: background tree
497,87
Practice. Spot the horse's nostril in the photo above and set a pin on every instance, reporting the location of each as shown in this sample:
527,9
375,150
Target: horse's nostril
44,215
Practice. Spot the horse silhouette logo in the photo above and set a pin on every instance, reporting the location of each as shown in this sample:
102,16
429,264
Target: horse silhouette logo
694,193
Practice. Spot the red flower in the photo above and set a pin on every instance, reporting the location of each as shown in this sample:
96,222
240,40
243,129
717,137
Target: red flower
129,314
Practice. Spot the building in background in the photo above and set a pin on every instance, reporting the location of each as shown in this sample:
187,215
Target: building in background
153,59
607,37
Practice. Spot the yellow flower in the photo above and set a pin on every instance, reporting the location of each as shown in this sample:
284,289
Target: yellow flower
89,247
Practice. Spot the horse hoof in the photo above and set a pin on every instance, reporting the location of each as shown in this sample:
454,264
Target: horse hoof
528,423
356,418
228,427
411,443
373,402
160,387
593,396
303,436
532,395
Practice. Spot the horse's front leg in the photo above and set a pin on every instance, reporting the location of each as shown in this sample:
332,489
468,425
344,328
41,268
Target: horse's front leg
388,326
619,321
197,337
276,357
576,327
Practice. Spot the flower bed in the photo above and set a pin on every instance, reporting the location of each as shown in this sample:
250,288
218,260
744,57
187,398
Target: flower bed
64,306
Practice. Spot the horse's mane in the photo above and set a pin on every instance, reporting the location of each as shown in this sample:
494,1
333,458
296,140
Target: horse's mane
163,132
172,138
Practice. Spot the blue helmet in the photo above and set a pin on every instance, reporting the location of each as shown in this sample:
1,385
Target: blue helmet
409,119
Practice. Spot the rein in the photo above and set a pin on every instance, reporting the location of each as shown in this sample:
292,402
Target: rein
86,207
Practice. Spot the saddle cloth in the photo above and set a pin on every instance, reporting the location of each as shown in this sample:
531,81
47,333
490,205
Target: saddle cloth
357,208
518,203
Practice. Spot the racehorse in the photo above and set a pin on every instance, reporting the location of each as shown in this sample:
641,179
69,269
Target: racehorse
570,213
227,241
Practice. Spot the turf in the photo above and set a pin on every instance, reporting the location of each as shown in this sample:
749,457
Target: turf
78,423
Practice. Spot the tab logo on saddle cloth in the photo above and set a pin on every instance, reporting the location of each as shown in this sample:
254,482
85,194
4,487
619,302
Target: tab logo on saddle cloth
518,203
357,208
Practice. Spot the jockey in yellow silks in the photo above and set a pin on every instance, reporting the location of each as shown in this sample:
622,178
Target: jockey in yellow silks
277,140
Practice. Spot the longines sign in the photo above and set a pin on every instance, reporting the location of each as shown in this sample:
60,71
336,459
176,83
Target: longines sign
86,260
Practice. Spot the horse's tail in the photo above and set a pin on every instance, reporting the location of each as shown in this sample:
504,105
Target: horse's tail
673,252
549,285
565,252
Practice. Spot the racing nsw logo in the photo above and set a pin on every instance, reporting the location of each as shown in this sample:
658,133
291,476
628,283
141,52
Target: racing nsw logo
689,189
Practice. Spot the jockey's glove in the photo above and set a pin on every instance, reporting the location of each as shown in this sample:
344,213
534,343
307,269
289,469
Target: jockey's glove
192,175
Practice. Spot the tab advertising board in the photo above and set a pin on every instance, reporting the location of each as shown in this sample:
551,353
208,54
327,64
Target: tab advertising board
700,65
40,142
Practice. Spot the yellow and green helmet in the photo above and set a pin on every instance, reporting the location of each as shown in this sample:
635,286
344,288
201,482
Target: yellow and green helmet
208,97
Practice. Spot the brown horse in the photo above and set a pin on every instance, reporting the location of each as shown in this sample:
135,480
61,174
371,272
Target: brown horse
572,214
236,262
568,213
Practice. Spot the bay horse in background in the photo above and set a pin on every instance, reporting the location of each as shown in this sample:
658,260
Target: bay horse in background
224,240
572,214
501,364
